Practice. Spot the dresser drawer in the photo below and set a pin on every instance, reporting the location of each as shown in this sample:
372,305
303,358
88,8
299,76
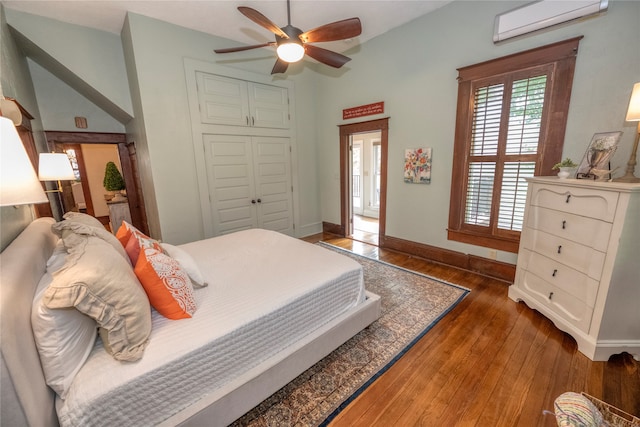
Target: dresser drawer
599,204
556,300
573,282
580,257
585,231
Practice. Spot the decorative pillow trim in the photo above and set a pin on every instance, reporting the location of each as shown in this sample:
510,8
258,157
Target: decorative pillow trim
167,285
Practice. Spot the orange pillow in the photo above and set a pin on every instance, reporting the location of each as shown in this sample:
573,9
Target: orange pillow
133,239
124,233
167,285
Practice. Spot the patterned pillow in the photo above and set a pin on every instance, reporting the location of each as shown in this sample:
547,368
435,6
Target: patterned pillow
166,283
575,410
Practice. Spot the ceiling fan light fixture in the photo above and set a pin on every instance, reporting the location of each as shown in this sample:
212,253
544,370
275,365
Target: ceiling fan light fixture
290,51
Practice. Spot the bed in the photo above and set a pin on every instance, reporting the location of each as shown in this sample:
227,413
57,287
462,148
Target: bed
258,324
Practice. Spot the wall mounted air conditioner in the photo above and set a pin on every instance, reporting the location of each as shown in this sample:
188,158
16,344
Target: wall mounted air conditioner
542,14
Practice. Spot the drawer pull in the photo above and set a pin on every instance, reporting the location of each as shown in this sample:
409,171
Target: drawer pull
554,273
568,197
559,248
564,224
550,295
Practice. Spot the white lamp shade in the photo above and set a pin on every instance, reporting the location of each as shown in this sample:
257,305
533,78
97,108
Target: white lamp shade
54,167
290,52
19,184
633,113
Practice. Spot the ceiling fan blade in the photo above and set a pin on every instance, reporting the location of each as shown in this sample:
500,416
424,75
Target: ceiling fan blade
241,48
280,66
339,30
262,20
325,56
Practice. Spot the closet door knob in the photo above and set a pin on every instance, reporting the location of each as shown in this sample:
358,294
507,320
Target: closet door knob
564,224
259,200
559,248
550,295
554,273
253,201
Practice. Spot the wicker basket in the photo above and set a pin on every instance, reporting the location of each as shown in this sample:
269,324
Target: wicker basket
612,415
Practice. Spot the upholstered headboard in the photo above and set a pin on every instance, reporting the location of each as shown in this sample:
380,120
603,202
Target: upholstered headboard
25,397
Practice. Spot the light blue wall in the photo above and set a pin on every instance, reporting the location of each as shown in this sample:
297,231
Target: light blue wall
60,104
15,82
155,53
413,70
89,60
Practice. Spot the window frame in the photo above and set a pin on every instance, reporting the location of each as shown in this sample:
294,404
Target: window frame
559,58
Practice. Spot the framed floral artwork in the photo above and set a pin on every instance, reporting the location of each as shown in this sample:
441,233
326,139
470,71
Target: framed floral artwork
595,163
417,165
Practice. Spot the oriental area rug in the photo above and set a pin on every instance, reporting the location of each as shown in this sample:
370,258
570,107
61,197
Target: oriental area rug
411,304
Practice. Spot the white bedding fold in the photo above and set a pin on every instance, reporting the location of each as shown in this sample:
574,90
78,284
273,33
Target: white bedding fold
265,292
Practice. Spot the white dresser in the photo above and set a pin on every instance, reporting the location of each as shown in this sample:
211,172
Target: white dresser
579,262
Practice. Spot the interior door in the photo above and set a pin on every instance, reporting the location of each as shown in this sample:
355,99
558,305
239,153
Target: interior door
274,192
249,183
231,183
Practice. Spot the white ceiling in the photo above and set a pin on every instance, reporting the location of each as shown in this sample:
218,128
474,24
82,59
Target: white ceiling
221,17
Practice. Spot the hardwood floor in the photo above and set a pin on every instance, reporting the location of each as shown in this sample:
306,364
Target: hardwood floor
489,362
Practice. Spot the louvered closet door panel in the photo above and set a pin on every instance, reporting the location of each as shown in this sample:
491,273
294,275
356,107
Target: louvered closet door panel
273,183
231,182
269,106
222,100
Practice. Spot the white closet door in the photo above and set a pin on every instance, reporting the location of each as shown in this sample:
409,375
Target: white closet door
272,168
222,100
269,105
231,182
249,182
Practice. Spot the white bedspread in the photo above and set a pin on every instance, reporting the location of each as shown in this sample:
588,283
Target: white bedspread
265,292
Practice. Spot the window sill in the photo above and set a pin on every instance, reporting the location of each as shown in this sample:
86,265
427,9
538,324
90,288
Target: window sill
499,243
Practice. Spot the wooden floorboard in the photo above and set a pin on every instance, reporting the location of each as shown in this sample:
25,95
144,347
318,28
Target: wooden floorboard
489,362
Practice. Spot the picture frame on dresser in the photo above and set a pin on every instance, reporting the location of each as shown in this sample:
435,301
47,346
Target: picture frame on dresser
595,162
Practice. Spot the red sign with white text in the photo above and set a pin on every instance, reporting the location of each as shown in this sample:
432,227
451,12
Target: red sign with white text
363,110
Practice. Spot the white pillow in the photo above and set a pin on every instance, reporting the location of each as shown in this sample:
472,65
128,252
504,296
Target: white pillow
187,262
64,338
100,283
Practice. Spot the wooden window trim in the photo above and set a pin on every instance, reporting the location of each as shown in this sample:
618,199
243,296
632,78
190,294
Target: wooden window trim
561,57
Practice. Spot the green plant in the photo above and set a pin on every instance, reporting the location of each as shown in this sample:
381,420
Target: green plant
113,180
566,163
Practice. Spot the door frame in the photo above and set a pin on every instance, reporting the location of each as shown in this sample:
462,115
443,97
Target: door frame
134,192
381,125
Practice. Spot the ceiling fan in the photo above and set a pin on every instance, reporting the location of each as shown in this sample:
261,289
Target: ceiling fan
292,43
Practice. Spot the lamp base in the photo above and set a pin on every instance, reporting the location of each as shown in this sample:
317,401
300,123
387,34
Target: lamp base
627,178
631,164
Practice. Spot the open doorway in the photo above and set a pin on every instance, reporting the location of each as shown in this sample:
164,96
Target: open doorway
363,179
82,143
365,188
